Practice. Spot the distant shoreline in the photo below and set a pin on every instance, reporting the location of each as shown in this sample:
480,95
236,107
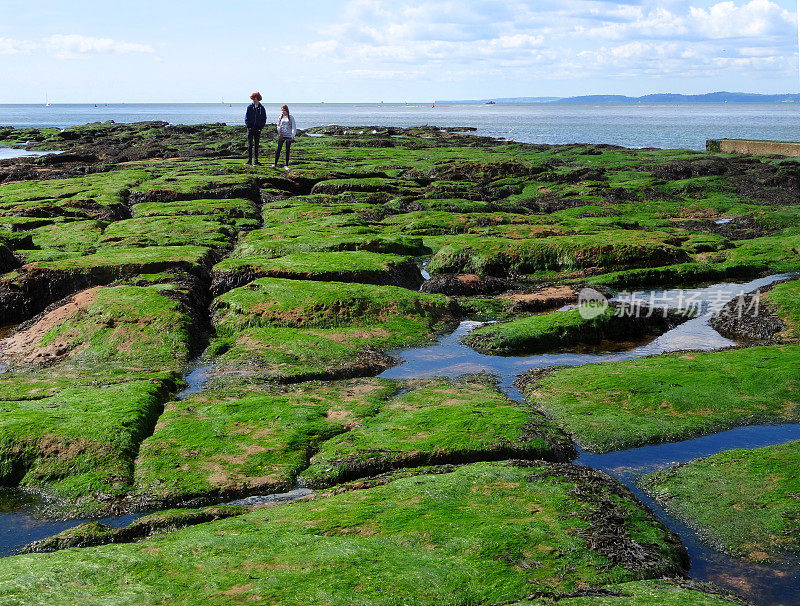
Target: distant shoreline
721,97
717,98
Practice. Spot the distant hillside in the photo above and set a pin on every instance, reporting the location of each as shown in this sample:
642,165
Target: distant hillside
671,98
655,99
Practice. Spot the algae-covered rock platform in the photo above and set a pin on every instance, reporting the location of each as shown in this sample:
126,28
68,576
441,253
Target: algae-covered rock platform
147,252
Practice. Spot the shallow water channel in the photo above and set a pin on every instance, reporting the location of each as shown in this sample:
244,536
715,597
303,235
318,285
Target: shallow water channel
5,331
21,520
7,153
450,358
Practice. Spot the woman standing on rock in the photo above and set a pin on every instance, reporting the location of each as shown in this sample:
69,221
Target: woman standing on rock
255,119
286,133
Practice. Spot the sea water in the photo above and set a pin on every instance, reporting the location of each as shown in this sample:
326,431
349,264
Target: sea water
664,126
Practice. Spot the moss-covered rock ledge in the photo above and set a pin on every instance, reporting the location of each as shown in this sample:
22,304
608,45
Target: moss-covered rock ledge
747,502
234,442
143,247
620,405
482,533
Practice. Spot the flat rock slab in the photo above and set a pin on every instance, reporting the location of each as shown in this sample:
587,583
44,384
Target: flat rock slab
742,501
276,243
481,533
195,180
349,266
291,355
112,329
187,230
30,289
280,302
90,534
586,325
270,331
435,422
231,212
292,330
495,256
229,443
79,442
619,405
95,196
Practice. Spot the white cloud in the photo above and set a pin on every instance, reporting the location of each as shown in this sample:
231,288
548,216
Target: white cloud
749,20
321,48
9,46
558,39
69,46
724,20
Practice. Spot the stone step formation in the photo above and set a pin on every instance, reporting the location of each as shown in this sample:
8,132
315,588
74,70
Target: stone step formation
143,248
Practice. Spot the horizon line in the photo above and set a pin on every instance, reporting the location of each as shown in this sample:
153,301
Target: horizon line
383,102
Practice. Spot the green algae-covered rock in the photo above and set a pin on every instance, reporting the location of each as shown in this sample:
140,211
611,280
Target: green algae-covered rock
350,266
610,250
779,253
293,330
244,440
743,501
67,236
438,421
588,324
79,442
94,196
231,212
299,304
111,330
618,405
287,355
89,534
266,243
482,533
239,441
31,288
187,230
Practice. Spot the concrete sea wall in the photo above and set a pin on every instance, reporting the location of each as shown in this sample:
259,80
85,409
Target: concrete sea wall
754,147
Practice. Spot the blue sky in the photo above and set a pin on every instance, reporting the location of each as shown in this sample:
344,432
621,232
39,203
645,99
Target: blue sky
392,50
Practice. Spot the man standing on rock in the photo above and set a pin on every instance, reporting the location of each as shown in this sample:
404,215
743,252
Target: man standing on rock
254,119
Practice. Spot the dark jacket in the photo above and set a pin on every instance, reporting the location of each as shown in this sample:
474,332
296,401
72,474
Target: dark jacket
255,118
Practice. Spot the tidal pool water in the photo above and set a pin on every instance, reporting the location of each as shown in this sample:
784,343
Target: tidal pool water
6,153
196,380
24,519
450,358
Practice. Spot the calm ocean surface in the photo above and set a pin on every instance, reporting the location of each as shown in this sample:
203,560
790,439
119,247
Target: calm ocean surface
678,126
